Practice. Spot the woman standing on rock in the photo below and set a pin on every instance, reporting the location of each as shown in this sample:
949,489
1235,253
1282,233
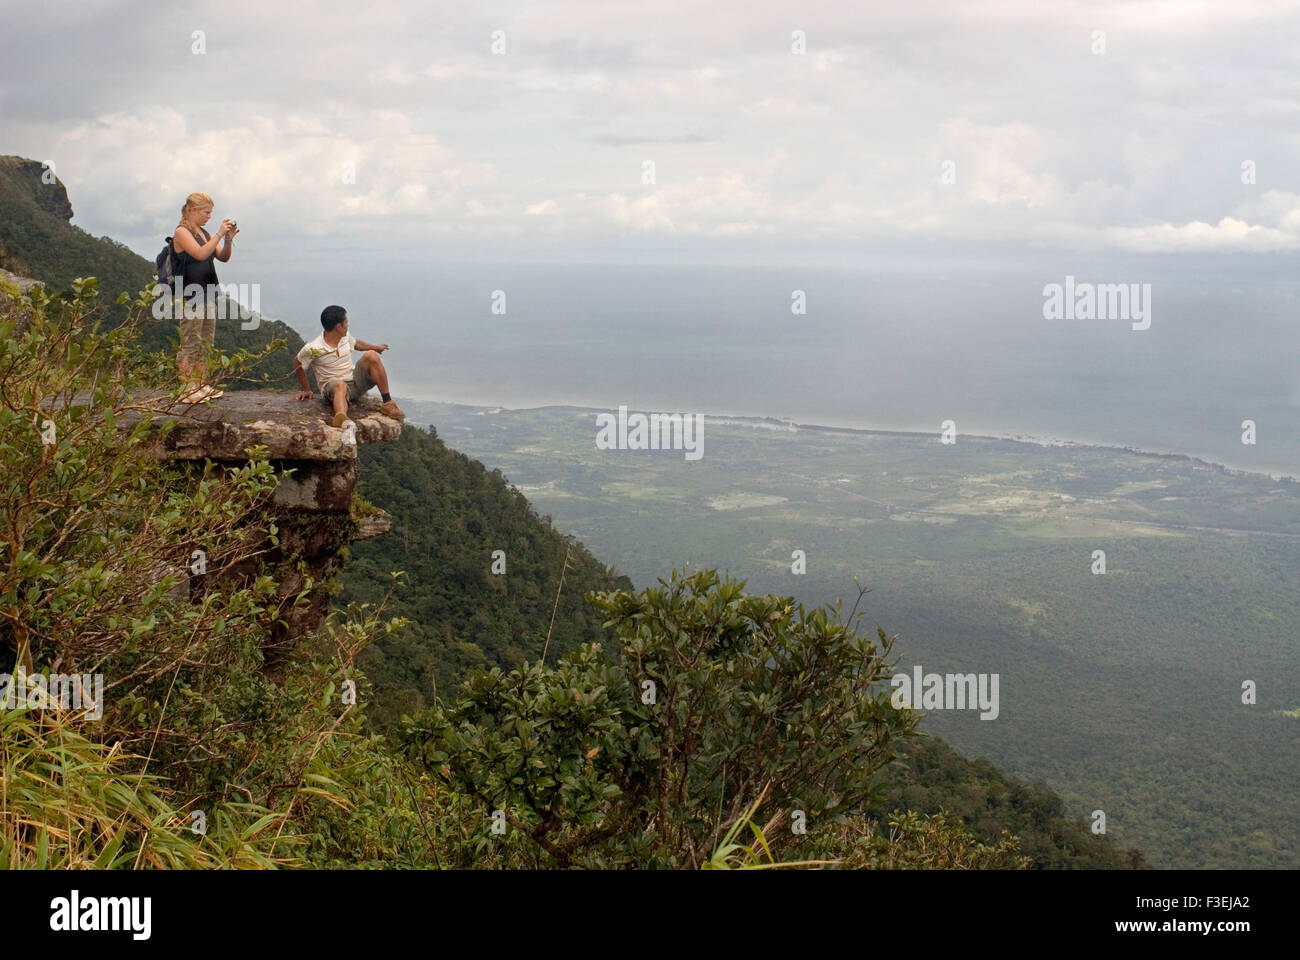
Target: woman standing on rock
195,251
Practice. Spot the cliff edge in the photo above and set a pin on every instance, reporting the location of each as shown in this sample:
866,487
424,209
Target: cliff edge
316,464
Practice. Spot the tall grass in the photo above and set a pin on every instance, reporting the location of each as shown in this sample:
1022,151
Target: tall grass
67,802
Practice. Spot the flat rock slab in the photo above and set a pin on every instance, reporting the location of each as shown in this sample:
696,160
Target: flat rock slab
290,429
24,284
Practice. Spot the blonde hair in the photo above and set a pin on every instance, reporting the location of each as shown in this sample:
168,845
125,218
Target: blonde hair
195,201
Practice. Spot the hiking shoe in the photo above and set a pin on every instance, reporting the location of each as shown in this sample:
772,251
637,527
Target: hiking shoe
341,418
392,410
201,393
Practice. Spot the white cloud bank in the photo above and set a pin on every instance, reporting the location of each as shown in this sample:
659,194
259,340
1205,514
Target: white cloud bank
1044,142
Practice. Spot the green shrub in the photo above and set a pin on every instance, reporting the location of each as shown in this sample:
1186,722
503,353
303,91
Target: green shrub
640,757
924,842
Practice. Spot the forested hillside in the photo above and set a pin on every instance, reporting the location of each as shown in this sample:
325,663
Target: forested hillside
930,777
449,515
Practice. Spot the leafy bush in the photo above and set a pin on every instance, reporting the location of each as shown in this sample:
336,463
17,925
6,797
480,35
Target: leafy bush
914,842
640,757
925,842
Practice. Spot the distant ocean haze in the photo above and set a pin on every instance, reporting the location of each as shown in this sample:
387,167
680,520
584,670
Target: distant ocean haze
901,352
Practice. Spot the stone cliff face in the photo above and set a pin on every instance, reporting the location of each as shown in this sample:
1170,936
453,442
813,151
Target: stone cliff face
318,468
51,197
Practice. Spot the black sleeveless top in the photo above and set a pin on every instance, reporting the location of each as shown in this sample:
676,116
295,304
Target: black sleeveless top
202,272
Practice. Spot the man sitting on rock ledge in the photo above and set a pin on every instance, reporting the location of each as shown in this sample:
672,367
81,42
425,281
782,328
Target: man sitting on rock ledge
330,355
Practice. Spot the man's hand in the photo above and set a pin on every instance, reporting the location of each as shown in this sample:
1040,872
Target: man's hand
380,348
305,394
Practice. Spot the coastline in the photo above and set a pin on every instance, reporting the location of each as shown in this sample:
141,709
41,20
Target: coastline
784,424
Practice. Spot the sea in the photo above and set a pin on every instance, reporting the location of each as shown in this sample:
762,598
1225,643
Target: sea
904,348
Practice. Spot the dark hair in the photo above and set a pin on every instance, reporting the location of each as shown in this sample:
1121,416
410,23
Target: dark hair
332,316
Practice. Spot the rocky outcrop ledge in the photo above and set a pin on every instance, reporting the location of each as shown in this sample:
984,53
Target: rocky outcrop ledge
297,434
317,467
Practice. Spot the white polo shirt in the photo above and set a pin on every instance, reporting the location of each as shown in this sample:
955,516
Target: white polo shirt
331,363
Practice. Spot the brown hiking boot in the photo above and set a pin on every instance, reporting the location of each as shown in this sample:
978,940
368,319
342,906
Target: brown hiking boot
341,418
392,410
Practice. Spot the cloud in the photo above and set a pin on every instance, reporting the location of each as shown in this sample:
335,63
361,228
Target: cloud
1136,151
296,170
631,141
998,164
1228,235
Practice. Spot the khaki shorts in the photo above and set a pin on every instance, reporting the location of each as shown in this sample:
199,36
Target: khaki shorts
198,329
357,386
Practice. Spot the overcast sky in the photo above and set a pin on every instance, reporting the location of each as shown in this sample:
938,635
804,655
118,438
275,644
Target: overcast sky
1128,141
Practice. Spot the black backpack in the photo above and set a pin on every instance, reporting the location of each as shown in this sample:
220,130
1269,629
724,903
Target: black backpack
170,262
167,263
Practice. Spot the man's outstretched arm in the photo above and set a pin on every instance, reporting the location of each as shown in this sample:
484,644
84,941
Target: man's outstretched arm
377,347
